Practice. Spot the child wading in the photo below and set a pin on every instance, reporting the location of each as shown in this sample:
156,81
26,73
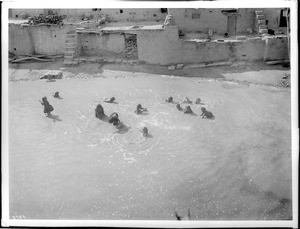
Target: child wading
47,107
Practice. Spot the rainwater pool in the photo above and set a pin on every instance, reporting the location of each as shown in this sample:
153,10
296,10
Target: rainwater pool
235,167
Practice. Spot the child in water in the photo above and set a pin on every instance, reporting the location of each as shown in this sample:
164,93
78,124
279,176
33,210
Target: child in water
145,132
186,100
114,119
140,109
47,107
56,95
188,110
170,100
198,101
111,100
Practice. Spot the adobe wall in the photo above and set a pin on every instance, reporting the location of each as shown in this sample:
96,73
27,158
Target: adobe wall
209,19
164,47
100,44
159,46
123,14
276,48
156,46
19,40
272,15
17,13
205,19
41,39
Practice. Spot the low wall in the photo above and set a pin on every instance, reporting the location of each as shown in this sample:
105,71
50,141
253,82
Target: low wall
100,44
41,39
20,40
159,46
276,48
154,46
164,47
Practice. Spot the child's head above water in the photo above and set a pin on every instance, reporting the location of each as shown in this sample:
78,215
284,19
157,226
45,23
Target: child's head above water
44,99
145,131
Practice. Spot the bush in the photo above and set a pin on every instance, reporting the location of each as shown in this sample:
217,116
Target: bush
48,19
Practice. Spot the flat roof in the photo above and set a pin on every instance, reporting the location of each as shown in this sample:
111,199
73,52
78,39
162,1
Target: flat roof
132,28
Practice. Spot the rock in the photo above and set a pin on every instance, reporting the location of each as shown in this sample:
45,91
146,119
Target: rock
171,67
196,66
241,63
263,31
53,75
179,66
169,20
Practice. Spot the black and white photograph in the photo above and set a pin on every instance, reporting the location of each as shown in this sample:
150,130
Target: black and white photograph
176,115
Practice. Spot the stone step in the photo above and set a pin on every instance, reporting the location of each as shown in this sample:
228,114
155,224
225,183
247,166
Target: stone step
259,12
69,58
68,55
67,62
260,17
71,48
261,22
262,31
69,45
71,36
262,27
70,40
71,31
70,52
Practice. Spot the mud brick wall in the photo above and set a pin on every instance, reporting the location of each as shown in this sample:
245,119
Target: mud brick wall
41,39
100,44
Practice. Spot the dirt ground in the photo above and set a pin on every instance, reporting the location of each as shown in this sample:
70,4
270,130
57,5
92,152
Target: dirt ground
257,72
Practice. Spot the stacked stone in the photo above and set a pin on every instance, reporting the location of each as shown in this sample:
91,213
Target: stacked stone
70,44
168,21
261,22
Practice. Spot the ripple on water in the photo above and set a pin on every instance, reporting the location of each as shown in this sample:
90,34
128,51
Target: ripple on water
133,143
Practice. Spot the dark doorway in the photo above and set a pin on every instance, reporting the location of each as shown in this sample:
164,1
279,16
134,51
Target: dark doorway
282,20
131,50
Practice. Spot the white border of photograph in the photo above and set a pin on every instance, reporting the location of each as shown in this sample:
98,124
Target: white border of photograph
6,222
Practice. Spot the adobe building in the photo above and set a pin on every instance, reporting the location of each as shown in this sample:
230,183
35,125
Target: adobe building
156,36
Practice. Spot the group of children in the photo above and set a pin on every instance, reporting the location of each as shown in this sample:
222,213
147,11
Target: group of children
188,109
114,117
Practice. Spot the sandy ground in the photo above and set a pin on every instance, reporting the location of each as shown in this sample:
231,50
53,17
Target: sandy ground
250,73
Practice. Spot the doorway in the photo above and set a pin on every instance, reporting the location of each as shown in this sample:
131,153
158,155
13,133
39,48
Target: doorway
231,24
282,20
131,50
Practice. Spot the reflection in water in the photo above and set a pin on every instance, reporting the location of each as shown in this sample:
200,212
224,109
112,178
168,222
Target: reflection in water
235,167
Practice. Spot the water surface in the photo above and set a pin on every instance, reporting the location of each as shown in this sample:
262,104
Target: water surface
235,167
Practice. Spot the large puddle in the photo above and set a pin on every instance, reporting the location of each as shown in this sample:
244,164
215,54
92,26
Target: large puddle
235,167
